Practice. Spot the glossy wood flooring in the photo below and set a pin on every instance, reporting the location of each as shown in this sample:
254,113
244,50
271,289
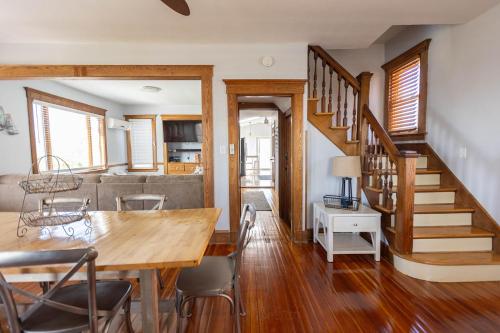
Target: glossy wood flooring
291,288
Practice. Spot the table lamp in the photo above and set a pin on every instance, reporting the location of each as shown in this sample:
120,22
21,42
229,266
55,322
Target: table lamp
346,167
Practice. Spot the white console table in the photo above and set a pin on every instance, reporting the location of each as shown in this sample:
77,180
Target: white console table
340,230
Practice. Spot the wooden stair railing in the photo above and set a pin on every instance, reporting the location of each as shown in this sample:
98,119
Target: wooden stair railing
381,161
340,94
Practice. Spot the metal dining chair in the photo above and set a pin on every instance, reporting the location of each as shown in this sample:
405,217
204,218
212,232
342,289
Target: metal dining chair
64,308
122,204
216,276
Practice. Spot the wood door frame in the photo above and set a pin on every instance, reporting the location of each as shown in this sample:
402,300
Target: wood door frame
151,117
287,88
137,72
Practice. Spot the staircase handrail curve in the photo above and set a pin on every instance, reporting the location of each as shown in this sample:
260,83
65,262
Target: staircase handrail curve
338,68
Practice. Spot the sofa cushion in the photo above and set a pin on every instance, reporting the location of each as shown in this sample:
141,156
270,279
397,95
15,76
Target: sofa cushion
107,193
127,179
170,179
180,195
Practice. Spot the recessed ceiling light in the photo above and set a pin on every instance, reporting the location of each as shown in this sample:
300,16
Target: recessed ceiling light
151,89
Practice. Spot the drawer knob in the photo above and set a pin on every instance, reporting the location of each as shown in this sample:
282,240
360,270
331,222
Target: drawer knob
355,224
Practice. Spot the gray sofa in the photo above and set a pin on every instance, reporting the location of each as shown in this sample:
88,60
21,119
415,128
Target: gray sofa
182,191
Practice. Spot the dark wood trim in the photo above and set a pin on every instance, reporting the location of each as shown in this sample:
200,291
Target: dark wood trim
420,50
294,89
137,72
152,117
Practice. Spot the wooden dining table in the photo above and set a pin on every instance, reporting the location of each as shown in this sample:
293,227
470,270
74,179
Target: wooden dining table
130,244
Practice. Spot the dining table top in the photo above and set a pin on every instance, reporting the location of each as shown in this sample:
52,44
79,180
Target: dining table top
130,240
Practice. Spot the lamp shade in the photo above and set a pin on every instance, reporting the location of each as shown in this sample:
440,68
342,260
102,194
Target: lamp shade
347,166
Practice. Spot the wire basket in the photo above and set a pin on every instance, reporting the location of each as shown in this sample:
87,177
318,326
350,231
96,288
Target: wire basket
53,211
339,202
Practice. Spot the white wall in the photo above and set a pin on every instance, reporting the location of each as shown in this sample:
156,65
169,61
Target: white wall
231,61
15,149
370,59
463,108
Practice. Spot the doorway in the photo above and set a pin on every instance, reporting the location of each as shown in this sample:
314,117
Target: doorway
280,163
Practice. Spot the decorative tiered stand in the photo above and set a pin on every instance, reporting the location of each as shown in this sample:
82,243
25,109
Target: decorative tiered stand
52,210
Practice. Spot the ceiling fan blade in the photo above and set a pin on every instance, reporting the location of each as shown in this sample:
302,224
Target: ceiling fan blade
180,6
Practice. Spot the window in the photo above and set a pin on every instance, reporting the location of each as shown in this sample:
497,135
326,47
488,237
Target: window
141,143
67,129
406,93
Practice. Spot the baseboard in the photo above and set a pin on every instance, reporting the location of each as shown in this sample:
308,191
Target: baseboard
221,237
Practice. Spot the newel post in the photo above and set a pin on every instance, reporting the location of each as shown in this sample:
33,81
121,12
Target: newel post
406,169
364,96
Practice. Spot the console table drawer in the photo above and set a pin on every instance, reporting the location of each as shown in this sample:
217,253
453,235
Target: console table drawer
355,224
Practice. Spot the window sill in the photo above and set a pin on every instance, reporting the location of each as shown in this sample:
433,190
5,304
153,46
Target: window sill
142,170
408,136
88,171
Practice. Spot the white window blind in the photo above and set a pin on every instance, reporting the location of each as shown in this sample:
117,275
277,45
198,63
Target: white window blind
403,99
141,143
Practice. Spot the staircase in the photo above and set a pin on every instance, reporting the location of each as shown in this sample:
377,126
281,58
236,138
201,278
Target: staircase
434,228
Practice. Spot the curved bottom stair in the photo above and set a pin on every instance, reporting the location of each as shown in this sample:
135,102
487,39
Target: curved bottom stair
449,266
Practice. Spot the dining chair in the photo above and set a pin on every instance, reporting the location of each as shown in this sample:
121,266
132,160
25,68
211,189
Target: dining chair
216,276
64,308
122,204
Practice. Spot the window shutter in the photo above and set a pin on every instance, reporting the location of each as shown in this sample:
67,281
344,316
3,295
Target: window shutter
141,143
403,99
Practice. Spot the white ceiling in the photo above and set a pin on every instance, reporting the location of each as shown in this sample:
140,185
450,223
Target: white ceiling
330,23
130,92
257,116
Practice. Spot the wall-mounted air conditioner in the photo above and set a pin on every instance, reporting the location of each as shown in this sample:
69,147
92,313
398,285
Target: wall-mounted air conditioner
114,123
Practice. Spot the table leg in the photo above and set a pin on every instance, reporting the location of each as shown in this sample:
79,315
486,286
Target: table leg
315,225
328,227
149,301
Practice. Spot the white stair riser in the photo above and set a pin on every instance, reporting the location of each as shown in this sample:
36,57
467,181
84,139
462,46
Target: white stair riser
422,162
448,273
437,220
452,244
422,198
425,179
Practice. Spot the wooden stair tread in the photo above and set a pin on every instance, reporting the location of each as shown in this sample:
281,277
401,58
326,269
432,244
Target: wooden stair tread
453,258
321,114
441,209
342,128
450,232
420,189
447,232
382,209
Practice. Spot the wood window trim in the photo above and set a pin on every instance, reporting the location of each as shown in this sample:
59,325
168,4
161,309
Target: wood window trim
181,117
290,88
420,50
38,95
137,72
152,117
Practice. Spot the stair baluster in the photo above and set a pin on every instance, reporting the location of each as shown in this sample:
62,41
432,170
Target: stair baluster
380,169
339,99
390,189
354,127
315,92
385,190
323,89
344,121
330,91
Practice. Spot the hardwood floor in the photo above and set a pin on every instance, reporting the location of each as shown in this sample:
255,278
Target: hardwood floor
290,287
